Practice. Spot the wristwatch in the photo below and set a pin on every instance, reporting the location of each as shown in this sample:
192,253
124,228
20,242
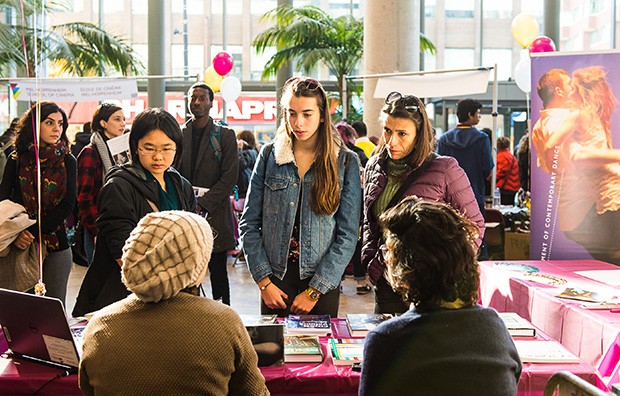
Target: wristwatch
313,294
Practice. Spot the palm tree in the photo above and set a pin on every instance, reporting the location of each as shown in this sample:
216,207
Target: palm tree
308,36
76,48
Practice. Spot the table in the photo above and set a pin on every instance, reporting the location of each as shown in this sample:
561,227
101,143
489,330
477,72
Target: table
24,378
593,335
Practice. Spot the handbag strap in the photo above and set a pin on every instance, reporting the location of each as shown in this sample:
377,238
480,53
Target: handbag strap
410,179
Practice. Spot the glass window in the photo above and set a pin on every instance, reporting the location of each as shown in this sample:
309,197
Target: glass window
258,61
142,52
430,8
233,7
195,59
339,8
503,58
458,58
194,7
235,51
139,7
261,7
77,6
497,9
430,61
459,8
108,6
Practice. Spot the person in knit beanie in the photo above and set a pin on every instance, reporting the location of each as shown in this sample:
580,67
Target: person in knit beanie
163,338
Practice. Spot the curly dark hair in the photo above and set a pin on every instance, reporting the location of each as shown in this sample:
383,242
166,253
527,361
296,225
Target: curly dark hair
433,254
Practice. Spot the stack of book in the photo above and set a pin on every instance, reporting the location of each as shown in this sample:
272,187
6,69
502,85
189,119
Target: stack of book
319,325
346,351
360,324
517,326
302,348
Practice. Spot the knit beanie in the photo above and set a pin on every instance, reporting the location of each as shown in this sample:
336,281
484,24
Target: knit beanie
165,253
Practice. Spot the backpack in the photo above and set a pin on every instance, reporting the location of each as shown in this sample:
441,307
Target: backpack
216,143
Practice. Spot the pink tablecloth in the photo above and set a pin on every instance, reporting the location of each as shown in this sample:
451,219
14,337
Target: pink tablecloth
24,378
593,335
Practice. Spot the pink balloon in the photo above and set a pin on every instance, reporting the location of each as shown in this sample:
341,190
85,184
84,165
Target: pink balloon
542,44
223,63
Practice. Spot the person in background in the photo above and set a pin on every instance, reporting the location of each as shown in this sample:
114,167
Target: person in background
148,183
472,150
82,138
248,153
406,165
301,216
347,134
445,344
363,141
523,157
7,145
94,162
507,172
164,338
487,181
211,162
246,146
57,170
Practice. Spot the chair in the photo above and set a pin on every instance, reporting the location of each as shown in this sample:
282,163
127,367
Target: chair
566,384
494,234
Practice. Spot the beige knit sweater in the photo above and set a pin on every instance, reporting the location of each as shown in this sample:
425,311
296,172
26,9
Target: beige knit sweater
186,345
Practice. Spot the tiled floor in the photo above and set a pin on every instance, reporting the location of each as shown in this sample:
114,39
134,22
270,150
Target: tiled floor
244,294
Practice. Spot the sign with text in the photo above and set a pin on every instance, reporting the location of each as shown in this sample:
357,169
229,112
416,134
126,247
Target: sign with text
73,90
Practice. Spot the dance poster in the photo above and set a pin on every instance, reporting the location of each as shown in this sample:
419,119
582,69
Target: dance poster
575,163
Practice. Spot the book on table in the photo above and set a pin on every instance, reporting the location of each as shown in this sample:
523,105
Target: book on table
302,349
360,324
517,326
542,351
255,320
346,351
309,324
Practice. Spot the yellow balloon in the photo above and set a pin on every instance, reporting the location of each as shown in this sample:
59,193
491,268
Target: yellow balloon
213,79
524,29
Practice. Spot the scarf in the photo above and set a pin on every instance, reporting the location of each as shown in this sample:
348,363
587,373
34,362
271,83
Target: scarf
102,148
53,183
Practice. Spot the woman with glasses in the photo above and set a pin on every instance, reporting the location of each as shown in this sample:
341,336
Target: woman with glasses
94,162
406,165
445,343
146,184
42,153
299,225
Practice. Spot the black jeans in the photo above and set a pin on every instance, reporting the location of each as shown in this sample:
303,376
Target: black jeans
292,286
219,277
386,299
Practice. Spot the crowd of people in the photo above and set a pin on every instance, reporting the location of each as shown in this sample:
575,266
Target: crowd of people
320,196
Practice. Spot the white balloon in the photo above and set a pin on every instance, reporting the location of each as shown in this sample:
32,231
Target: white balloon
230,89
522,74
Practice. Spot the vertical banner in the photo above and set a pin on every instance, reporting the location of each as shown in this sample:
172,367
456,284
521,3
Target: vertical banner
575,157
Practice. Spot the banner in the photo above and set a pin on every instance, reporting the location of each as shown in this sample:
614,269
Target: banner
73,90
435,84
575,164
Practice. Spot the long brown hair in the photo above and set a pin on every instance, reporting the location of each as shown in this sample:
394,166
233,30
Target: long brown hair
325,193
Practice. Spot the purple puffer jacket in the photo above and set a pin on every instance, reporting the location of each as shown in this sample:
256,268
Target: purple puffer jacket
444,181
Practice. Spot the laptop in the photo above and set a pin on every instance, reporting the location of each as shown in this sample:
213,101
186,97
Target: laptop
36,329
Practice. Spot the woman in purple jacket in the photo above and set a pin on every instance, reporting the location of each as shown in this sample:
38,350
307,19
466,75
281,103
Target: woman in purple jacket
406,165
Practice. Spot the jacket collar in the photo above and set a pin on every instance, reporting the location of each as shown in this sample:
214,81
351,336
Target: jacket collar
283,148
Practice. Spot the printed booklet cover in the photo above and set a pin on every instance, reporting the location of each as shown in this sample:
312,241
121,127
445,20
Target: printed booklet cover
309,324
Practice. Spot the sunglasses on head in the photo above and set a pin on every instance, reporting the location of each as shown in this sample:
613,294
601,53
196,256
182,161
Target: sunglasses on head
409,102
303,83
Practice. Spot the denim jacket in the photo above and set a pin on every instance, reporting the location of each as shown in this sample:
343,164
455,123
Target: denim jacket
327,242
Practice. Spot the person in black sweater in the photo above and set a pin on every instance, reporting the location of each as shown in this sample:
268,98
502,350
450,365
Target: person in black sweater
445,343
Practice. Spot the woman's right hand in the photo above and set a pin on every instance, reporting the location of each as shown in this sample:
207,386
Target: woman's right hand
23,240
274,297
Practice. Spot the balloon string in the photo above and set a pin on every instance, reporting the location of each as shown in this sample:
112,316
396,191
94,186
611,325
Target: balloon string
21,3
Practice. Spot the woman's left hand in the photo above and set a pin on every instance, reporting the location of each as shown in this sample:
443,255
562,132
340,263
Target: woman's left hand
302,304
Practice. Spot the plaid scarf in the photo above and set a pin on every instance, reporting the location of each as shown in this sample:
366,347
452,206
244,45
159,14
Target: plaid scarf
53,186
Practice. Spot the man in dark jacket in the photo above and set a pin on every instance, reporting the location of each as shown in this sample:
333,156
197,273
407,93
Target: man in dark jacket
210,161
471,148
81,139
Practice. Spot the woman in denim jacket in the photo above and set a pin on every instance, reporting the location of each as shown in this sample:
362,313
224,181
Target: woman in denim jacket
299,224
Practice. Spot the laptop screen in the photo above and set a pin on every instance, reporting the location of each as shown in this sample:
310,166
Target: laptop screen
36,328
